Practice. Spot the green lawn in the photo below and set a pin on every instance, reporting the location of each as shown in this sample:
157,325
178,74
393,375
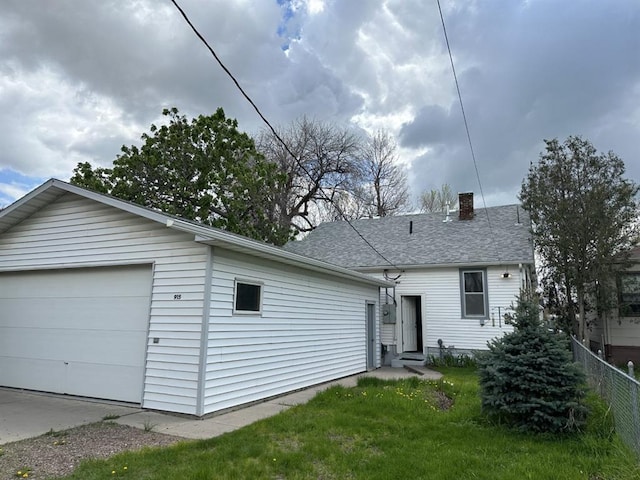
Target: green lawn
384,430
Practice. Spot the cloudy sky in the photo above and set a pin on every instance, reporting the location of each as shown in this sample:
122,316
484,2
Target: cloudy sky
78,79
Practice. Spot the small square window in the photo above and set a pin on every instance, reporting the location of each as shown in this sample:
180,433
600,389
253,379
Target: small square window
248,297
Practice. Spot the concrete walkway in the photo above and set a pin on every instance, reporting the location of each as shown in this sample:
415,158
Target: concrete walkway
25,415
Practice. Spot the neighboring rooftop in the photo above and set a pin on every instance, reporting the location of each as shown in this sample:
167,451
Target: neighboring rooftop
423,239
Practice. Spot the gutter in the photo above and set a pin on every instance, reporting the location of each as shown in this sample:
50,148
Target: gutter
378,268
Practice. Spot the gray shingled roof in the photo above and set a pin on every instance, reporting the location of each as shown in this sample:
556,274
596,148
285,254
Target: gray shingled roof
432,241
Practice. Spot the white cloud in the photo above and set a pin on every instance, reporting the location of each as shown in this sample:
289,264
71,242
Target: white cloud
51,124
315,6
11,191
79,79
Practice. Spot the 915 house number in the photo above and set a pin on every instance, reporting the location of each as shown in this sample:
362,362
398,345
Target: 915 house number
177,296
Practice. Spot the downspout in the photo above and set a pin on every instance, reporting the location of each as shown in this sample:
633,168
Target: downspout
398,323
521,279
607,334
581,312
204,333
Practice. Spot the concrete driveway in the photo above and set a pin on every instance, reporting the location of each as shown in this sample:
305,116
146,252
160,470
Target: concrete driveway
27,414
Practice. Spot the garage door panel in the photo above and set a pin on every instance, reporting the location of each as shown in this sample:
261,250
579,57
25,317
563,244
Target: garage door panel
80,331
117,348
41,312
96,380
74,282
25,372
114,348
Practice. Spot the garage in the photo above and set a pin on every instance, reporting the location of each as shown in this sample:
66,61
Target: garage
105,299
77,331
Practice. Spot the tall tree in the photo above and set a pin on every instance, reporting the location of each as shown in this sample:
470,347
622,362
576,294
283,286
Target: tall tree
204,170
583,214
383,188
437,201
323,168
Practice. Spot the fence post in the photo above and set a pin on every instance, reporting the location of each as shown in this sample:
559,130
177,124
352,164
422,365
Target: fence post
636,420
630,369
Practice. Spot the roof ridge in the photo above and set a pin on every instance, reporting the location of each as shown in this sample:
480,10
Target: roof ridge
421,214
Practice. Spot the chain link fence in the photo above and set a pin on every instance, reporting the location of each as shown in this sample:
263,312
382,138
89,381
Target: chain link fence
618,389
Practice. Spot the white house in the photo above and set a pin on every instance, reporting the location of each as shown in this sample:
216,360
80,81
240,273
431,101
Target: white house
617,334
455,275
103,298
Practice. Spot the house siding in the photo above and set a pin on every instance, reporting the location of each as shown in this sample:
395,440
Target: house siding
439,289
312,329
624,332
75,232
618,336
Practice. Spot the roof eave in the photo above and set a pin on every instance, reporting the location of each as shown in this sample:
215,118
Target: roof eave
379,268
52,189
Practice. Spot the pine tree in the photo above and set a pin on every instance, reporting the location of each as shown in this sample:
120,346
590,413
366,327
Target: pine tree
528,379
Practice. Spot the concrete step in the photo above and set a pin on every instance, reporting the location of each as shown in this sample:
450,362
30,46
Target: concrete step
411,356
402,362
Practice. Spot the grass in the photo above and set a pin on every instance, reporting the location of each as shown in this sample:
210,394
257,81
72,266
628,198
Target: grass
56,433
382,430
148,426
109,417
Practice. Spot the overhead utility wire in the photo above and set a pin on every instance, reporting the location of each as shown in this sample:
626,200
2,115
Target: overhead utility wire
286,147
466,127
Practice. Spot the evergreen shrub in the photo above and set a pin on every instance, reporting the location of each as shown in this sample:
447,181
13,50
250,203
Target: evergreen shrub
528,379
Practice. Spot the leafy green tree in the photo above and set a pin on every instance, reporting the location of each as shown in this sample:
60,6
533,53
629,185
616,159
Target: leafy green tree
98,179
204,170
583,213
528,379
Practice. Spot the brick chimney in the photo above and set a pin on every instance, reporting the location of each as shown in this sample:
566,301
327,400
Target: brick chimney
465,203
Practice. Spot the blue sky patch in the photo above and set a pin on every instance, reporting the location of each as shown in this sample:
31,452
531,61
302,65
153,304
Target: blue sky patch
287,29
14,185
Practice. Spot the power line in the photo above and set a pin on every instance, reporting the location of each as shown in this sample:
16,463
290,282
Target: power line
466,127
273,130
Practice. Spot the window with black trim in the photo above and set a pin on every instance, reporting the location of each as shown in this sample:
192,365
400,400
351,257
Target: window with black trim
247,297
629,289
473,293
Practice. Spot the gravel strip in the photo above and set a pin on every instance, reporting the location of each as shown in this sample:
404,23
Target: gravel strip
59,453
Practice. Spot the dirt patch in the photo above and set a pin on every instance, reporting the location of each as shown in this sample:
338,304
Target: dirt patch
442,400
58,453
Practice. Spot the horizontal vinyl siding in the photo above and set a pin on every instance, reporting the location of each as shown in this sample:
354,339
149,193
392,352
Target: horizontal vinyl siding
312,329
623,331
439,290
74,232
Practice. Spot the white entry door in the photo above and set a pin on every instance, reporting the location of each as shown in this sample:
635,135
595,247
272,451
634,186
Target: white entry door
77,331
409,325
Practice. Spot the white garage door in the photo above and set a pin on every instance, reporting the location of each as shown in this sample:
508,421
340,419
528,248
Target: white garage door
77,331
